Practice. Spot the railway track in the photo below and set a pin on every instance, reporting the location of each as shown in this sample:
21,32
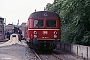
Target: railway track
53,54
57,56
36,55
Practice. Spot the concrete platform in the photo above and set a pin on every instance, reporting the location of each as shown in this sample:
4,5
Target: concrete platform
14,52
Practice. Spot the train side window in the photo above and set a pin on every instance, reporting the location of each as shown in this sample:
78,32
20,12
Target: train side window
38,23
51,23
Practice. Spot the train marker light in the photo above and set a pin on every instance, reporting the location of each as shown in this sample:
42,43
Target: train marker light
55,36
55,32
35,36
35,32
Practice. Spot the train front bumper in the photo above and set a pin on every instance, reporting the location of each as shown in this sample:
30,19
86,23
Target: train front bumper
45,44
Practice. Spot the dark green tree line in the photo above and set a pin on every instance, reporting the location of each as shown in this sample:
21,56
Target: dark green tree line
75,20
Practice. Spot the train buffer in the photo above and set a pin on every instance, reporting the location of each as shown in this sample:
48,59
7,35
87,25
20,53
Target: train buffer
15,38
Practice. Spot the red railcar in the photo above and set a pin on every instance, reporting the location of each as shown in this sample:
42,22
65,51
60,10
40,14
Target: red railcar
42,30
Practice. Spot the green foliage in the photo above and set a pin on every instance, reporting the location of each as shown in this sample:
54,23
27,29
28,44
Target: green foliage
75,20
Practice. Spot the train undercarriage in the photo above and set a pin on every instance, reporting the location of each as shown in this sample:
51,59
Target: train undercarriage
42,44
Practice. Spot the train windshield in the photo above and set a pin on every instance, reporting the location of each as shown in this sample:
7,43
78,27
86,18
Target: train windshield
51,23
38,23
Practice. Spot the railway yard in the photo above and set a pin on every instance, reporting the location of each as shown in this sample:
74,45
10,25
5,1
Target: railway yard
23,52
58,32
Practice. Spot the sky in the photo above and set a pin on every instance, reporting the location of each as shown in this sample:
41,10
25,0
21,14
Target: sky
14,10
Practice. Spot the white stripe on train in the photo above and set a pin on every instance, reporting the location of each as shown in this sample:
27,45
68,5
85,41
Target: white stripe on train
46,39
43,29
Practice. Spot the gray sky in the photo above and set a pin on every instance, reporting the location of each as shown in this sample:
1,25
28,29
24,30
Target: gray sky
13,10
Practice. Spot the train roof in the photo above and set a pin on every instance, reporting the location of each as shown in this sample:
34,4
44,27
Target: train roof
44,14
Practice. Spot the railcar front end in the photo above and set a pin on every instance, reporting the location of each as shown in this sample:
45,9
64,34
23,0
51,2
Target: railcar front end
43,30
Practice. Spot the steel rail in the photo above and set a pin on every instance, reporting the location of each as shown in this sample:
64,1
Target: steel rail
57,56
36,55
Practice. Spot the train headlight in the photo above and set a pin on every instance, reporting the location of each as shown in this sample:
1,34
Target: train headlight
35,32
55,36
55,32
35,36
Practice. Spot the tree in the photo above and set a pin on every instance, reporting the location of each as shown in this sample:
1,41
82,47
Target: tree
75,19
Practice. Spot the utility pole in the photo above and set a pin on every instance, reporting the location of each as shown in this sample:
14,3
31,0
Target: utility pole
18,23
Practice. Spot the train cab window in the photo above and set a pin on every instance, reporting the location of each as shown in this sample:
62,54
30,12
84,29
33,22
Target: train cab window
38,23
51,23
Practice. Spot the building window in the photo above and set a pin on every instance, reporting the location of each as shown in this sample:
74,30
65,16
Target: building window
0,32
0,22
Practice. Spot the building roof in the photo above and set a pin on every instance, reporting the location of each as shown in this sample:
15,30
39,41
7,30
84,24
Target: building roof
1,18
9,26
